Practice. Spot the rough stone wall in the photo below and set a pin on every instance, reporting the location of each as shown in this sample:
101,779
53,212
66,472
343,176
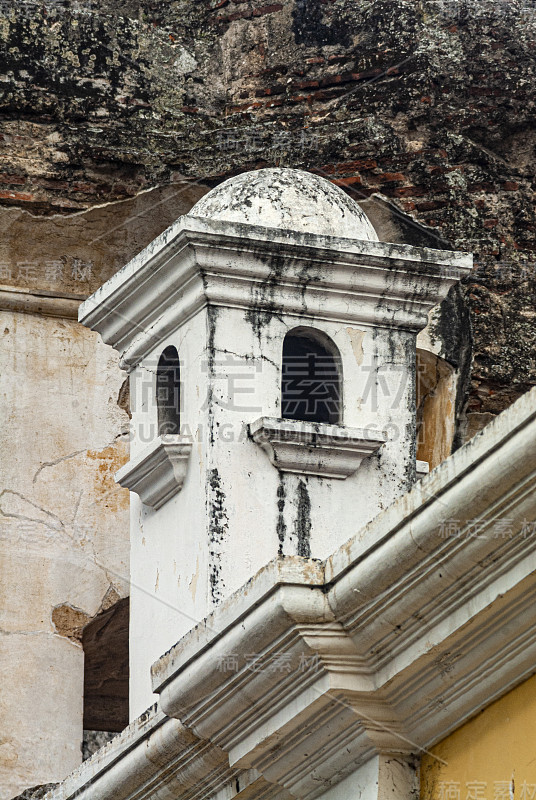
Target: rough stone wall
428,102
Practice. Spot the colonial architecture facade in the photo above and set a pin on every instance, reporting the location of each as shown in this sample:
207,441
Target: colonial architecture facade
312,614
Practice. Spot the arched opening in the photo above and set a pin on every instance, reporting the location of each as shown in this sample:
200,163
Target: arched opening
168,392
311,377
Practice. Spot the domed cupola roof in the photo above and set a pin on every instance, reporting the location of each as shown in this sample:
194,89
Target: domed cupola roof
287,199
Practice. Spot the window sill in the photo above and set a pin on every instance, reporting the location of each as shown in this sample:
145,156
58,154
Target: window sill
158,473
315,448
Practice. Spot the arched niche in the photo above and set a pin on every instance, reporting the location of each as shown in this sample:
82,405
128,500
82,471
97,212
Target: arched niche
311,382
168,392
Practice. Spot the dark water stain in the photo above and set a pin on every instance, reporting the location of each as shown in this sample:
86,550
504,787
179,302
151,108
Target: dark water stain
266,304
281,525
212,315
218,526
302,526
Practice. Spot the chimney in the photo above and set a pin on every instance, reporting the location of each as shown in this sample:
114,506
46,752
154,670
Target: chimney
270,340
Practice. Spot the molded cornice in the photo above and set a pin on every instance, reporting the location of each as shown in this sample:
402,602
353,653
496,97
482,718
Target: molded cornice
158,472
412,627
196,263
420,621
314,448
158,757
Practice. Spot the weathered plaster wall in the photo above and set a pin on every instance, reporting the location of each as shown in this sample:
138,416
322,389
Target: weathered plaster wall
63,531
489,758
236,511
64,521
72,256
428,102
436,413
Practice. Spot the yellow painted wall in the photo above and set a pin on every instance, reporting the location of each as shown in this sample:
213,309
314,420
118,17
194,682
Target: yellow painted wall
483,756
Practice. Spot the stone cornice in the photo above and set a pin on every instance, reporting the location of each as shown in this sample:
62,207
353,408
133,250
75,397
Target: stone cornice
313,448
157,756
159,471
198,262
416,627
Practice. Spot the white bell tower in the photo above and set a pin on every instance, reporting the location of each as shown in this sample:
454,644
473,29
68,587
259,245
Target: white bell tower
270,340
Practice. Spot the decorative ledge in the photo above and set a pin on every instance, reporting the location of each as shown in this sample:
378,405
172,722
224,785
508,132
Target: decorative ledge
198,261
315,448
159,471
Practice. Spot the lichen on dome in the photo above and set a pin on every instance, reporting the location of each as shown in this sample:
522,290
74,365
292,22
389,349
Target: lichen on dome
288,199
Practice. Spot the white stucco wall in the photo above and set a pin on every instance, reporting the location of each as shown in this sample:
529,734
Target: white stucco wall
207,541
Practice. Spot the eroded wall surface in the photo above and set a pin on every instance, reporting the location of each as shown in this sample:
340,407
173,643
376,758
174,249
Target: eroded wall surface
64,534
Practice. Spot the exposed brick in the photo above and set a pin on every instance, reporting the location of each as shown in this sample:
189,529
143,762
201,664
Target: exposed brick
410,191
333,79
87,188
430,205
347,181
17,197
390,176
269,9
525,244
481,106
334,59
364,163
481,187
307,84
13,179
55,185
246,106
363,76
358,194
